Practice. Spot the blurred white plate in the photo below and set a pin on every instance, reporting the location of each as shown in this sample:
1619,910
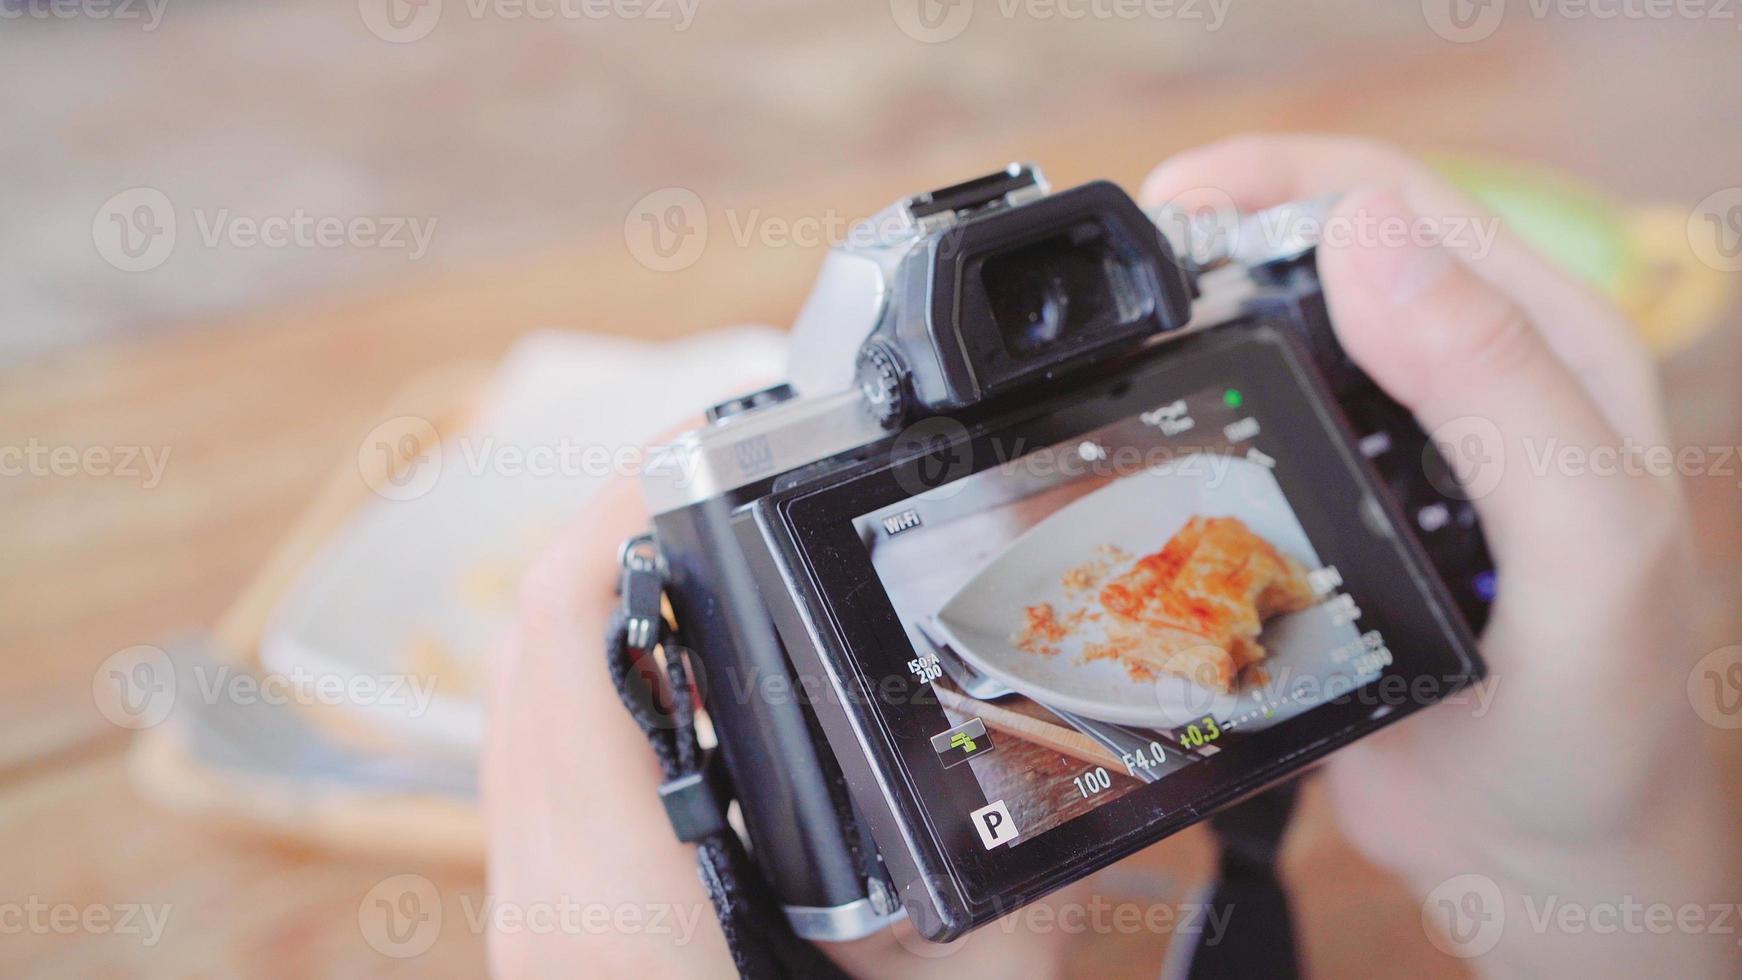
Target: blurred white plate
441,568
1139,514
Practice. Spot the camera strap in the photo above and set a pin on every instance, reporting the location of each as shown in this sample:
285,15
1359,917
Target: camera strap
1260,940
660,696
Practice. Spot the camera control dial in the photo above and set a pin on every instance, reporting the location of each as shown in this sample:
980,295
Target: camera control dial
879,377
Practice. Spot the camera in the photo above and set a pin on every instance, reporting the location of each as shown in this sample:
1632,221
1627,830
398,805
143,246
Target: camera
1070,527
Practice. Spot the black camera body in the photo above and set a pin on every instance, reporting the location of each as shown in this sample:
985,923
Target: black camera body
1026,440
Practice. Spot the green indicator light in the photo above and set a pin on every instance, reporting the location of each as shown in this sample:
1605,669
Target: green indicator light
1232,398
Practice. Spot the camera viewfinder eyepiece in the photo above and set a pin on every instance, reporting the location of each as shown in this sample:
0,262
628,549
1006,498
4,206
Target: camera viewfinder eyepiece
1010,285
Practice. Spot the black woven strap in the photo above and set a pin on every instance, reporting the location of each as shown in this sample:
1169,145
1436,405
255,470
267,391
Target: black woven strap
1259,939
661,699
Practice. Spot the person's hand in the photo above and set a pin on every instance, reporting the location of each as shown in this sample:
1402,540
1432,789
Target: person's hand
1585,782
585,876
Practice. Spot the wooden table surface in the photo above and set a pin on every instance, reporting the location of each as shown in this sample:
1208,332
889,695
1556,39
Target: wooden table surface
254,413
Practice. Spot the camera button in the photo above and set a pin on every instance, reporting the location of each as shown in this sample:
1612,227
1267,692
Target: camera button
1485,585
1375,443
749,403
1433,517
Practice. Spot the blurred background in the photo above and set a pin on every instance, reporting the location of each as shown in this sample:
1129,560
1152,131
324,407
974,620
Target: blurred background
257,262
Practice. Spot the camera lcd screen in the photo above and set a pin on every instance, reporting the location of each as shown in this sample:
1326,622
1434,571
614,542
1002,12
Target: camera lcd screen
1078,627
1104,612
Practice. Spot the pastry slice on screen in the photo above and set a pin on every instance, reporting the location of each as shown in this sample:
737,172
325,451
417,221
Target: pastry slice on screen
1195,608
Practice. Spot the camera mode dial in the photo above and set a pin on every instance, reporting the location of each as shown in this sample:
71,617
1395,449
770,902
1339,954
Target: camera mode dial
879,376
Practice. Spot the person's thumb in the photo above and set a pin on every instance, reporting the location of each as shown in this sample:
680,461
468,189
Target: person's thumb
1467,361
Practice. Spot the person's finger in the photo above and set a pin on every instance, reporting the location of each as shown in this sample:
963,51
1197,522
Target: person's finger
1584,331
1469,363
1258,170
570,787
1471,366
556,663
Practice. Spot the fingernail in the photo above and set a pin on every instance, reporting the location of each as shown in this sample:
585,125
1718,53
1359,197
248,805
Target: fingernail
1395,248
